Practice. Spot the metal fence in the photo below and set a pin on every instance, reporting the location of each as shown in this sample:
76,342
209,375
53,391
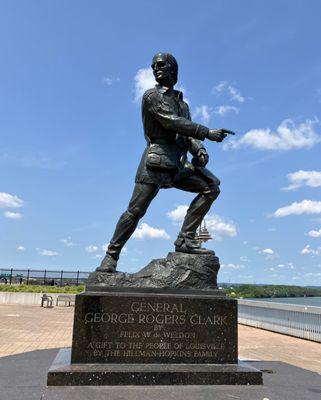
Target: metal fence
294,320
12,276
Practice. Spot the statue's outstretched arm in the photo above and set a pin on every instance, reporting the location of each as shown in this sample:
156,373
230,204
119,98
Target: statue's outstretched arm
168,118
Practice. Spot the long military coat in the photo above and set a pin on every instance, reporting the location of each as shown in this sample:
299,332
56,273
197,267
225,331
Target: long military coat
167,120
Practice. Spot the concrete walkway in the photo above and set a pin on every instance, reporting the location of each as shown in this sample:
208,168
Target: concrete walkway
28,328
258,344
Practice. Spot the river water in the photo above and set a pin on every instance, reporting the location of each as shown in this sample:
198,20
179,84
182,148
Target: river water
305,301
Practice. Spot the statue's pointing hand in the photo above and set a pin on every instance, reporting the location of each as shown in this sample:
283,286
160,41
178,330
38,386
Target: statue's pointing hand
218,135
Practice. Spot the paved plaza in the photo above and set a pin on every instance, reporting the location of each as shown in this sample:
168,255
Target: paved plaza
30,337
28,328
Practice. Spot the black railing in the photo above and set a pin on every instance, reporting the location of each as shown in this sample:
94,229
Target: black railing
13,276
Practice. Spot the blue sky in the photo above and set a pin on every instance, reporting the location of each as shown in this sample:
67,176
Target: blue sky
71,78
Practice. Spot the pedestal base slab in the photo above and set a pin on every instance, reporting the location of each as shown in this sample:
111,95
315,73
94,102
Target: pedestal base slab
63,373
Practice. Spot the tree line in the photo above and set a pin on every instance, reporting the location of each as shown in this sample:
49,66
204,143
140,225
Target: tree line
267,291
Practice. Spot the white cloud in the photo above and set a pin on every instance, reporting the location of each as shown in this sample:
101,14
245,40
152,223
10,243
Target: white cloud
223,110
218,89
312,274
67,242
178,214
232,266
308,250
286,266
91,248
314,233
47,253
235,94
10,201
204,113
110,81
270,269
288,136
225,87
214,223
303,178
244,259
304,207
12,215
220,227
144,80
145,231
269,253
21,248
246,276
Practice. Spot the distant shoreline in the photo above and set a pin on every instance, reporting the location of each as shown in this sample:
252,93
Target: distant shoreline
246,291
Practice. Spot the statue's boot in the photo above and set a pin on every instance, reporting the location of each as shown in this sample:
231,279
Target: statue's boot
191,246
108,264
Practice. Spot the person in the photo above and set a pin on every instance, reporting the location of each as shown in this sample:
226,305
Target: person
170,135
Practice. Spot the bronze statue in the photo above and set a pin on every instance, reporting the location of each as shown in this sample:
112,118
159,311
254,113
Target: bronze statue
170,134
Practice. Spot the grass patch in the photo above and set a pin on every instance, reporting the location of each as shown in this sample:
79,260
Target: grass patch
42,289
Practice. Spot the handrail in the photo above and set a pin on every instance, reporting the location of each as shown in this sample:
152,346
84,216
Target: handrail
281,306
290,319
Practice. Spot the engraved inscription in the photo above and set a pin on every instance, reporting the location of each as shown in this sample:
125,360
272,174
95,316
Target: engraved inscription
158,330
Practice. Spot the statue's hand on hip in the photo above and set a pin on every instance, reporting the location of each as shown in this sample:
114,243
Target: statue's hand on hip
202,157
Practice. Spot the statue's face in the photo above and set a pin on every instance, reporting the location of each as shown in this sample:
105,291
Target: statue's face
162,70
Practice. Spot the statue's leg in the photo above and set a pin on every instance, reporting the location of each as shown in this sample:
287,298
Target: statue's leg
141,198
208,191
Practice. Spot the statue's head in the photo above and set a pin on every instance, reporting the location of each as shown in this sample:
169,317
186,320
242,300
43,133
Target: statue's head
165,69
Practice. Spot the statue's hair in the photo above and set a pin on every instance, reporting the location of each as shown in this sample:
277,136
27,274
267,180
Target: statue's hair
172,60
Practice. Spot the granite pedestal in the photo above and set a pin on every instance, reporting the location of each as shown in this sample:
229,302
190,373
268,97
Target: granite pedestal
129,335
